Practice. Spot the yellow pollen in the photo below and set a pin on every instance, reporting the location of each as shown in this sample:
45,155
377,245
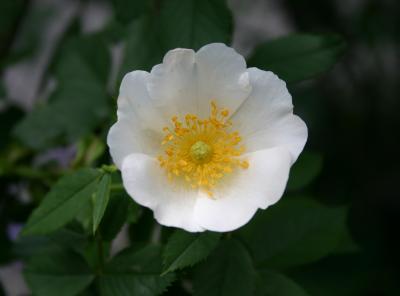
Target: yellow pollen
200,152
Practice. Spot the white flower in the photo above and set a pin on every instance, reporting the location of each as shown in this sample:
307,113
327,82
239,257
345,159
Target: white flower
203,141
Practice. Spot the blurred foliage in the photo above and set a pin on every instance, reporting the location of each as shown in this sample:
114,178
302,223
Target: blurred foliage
298,57
198,23
304,171
11,12
294,232
271,283
82,72
127,10
62,273
332,234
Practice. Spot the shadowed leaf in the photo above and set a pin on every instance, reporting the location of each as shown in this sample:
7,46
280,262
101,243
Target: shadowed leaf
298,57
63,202
186,249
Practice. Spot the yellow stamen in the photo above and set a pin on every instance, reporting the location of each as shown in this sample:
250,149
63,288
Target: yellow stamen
202,151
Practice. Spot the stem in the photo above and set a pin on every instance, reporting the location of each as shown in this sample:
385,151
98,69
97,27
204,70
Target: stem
109,168
117,187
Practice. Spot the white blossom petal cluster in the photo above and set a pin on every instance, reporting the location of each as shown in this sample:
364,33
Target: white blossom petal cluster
204,141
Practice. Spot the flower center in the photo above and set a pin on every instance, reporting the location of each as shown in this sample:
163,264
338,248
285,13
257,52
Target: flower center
200,152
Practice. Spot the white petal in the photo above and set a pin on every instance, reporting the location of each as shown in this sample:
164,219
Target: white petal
266,118
134,101
186,82
288,131
260,186
139,124
222,77
172,84
146,183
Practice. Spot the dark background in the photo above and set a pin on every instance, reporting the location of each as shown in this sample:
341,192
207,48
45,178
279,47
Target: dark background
357,108
352,113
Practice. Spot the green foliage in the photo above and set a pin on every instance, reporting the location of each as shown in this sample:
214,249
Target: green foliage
128,10
88,54
142,49
188,24
67,241
135,271
227,271
100,200
346,275
26,247
115,215
270,283
11,11
78,104
300,56
134,212
294,232
304,171
63,273
63,202
88,151
30,33
194,23
186,249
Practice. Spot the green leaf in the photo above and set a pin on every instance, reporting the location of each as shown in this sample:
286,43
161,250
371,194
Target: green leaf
88,151
30,32
144,232
347,245
115,215
186,249
27,246
134,213
79,103
100,200
63,202
62,274
294,232
88,54
271,283
135,271
73,114
128,10
85,216
92,252
304,171
298,57
193,23
142,49
227,271
69,237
